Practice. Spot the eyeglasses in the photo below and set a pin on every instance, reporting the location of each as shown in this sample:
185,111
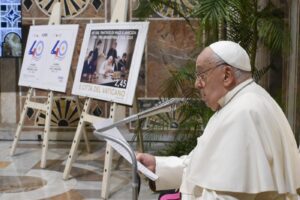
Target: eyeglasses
201,76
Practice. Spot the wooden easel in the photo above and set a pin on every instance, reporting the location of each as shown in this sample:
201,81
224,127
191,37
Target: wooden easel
47,107
117,112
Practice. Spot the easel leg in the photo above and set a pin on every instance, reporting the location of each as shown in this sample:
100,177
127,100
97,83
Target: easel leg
86,140
119,14
107,172
116,112
47,129
21,122
76,140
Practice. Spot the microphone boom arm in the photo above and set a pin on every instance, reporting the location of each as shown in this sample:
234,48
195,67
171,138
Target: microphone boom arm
167,106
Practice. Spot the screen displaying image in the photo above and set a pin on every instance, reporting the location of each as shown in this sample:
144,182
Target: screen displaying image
10,30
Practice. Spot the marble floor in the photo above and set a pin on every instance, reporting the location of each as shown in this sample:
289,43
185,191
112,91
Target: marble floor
21,177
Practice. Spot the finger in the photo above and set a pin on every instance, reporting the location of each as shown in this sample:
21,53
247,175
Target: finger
139,156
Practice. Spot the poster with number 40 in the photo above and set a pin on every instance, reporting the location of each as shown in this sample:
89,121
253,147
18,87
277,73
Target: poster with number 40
48,56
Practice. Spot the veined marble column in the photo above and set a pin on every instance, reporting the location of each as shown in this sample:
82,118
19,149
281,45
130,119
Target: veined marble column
292,68
8,92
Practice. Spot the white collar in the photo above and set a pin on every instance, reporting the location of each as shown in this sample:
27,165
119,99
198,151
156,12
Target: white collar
230,94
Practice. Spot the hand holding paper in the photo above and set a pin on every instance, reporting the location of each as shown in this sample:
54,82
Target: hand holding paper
114,132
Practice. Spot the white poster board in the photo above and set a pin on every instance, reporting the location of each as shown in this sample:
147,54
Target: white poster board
48,57
110,60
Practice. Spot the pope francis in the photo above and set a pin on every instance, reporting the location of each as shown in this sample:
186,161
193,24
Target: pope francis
247,150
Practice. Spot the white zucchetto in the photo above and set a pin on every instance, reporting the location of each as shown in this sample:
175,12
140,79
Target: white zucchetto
232,53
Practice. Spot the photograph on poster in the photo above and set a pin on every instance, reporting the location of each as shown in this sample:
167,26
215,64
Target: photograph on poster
110,60
108,57
48,56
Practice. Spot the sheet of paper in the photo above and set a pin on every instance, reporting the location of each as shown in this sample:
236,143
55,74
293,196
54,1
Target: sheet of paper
102,122
114,132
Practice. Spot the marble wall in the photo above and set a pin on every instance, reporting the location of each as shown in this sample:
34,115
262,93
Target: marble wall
8,88
171,44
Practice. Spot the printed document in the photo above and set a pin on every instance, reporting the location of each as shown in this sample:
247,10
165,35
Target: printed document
114,132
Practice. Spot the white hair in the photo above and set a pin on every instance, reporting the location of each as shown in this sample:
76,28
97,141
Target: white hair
238,73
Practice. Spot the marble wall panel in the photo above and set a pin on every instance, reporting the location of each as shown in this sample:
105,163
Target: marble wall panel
87,9
8,88
171,44
33,11
297,89
165,12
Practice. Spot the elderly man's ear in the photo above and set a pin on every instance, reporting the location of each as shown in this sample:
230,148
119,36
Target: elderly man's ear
229,77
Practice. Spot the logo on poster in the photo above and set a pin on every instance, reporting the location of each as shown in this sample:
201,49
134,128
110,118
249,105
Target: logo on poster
60,49
36,49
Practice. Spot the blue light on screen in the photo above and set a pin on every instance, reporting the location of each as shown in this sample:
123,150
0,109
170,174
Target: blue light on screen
10,28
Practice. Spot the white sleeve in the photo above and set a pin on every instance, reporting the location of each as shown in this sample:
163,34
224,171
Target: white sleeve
169,171
102,68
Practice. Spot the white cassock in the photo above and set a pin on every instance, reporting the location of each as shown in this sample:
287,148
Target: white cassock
247,151
105,67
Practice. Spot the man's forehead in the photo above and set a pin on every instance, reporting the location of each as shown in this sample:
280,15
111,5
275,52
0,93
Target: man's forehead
204,58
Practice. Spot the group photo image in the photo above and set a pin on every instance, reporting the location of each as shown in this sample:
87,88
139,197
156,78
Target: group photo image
108,57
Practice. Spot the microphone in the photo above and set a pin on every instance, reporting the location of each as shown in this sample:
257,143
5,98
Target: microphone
167,106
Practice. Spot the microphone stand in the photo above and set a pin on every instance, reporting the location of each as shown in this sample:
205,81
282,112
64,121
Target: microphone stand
167,106
135,180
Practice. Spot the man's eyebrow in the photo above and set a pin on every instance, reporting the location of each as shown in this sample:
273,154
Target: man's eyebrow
199,66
